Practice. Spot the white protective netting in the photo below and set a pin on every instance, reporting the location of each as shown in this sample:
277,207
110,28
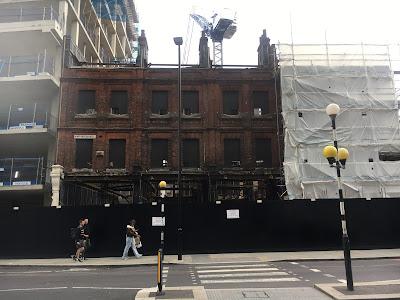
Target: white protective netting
358,78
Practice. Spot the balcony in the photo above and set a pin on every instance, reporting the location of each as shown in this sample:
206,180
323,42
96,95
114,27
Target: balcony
36,26
32,65
26,118
27,14
21,174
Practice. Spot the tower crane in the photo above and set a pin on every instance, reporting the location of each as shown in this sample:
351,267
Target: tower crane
224,29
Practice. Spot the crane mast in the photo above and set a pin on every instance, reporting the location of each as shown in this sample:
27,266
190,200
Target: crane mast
224,29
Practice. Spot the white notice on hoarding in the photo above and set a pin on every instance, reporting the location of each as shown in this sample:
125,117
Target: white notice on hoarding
21,183
157,221
232,214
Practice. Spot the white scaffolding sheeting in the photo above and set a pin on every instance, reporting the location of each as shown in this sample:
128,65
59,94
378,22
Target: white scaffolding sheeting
359,78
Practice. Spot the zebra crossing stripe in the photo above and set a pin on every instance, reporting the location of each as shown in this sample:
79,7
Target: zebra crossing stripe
244,275
231,266
284,279
237,270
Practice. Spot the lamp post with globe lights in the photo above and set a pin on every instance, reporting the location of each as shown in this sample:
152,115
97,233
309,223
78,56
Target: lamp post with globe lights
337,159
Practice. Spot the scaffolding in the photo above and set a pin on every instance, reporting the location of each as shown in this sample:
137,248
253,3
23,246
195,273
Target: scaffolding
359,78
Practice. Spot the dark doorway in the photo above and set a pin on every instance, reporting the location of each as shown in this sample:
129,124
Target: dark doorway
159,152
263,152
191,151
83,153
117,154
231,152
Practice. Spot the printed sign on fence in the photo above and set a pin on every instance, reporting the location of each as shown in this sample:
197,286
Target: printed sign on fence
232,214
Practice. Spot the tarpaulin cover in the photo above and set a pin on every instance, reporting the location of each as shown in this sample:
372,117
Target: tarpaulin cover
358,78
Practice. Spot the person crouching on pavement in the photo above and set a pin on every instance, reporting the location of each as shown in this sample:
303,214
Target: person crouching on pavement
131,233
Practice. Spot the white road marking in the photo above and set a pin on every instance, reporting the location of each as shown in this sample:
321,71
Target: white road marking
237,270
34,289
244,275
315,270
250,280
294,263
103,288
232,266
329,275
342,280
26,272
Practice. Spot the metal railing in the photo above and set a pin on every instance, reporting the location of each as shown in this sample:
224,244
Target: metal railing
21,171
27,65
25,14
26,116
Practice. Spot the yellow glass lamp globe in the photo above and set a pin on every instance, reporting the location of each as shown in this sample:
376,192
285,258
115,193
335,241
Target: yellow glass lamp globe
329,152
343,154
162,184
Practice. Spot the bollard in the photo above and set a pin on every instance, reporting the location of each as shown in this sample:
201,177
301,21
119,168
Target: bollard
159,273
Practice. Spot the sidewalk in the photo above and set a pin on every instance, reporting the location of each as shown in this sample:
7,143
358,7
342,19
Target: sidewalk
206,258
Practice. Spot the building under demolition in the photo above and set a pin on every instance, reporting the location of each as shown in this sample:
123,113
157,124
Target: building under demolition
118,131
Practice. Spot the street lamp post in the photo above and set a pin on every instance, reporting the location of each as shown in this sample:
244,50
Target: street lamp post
162,185
337,159
179,41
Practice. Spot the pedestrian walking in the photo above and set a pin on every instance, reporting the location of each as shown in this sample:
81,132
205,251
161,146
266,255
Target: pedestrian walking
86,233
79,236
131,235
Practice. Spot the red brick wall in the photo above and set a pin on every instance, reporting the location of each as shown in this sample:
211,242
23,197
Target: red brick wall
138,128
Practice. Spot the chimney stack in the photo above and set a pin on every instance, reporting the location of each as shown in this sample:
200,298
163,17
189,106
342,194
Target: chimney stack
266,52
204,52
142,59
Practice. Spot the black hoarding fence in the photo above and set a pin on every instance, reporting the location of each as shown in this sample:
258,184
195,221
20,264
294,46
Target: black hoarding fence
268,226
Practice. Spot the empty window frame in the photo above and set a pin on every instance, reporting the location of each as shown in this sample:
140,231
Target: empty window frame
190,153
190,102
230,102
158,152
263,152
260,103
119,102
116,155
231,152
159,102
86,102
83,153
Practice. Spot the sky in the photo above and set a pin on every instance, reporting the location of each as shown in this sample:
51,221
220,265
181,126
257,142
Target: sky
307,21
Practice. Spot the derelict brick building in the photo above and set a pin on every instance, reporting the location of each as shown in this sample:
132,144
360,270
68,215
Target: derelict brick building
118,136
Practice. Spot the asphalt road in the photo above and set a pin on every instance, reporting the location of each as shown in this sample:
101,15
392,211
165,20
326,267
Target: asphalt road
124,282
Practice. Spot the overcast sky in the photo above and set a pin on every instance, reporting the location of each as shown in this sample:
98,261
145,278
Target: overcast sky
344,21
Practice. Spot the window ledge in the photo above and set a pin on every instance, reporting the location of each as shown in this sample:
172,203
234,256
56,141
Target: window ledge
83,170
263,117
192,116
119,116
86,116
116,170
157,116
229,117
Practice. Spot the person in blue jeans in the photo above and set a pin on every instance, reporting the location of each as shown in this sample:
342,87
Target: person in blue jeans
131,233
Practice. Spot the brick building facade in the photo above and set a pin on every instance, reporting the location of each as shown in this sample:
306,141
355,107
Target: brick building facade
118,138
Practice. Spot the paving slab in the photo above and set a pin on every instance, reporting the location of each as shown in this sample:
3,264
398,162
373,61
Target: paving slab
207,258
388,289
178,293
303,293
